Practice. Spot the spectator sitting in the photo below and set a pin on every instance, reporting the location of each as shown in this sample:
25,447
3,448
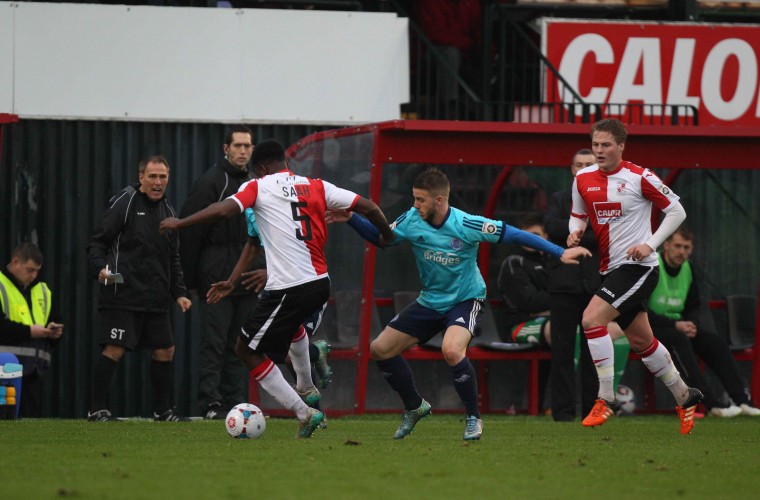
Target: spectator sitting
523,285
674,308
30,324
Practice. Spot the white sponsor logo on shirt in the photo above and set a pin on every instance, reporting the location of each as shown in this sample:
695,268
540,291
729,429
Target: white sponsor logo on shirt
441,258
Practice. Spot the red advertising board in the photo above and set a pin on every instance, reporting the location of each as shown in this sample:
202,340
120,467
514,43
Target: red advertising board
713,67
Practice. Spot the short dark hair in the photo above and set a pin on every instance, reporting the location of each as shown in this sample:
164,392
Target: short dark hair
613,126
152,159
584,151
432,180
27,251
531,219
266,151
236,129
684,232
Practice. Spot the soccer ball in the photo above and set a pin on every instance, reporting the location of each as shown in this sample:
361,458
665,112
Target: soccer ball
245,421
626,399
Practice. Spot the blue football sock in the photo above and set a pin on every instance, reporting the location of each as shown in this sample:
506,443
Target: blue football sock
398,374
466,384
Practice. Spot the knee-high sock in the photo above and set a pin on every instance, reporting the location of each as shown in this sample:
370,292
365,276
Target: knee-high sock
600,345
299,356
161,377
657,359
466,384
271,380
102,375
398,374
621,347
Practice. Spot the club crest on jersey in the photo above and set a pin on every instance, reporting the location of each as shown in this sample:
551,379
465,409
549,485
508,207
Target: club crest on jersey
456,244
489,228
608,212
664,190
621,188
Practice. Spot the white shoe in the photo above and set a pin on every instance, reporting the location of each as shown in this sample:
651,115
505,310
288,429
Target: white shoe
729,412
749,410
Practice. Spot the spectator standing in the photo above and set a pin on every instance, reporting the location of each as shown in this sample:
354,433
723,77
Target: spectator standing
30,325
139,274
570,289
209,253
454,27
290,213
618,197
674,313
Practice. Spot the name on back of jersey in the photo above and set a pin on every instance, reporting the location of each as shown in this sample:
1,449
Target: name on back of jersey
608,212
296,190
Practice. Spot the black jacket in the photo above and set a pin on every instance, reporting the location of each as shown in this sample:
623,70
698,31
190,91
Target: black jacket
210,251
128,240
568,278
523,285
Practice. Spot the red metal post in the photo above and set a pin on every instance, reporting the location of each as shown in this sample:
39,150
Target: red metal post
368,286
484,252
755,385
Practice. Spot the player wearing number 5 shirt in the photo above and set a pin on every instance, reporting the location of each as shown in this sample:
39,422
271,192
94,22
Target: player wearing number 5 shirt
617,198
290,211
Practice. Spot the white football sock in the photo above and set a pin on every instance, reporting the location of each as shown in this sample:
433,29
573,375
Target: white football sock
657,359
299,356
271,380
603,354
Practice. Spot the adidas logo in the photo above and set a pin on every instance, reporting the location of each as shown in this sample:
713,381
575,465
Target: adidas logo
460,320
310,325
421,239
463,378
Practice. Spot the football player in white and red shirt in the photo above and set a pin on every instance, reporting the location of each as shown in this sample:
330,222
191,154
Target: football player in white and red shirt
290,212
618,197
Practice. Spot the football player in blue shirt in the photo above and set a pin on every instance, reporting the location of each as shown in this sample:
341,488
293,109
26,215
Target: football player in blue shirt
445,244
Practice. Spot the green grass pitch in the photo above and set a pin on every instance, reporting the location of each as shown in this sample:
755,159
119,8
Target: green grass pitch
518,457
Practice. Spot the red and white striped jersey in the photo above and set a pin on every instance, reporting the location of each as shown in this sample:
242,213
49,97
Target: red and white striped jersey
290,213
619,207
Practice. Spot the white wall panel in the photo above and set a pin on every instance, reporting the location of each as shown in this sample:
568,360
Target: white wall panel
6,57
339,66
141,63
205,64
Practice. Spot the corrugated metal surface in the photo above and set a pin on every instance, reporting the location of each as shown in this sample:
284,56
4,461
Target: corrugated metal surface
55,179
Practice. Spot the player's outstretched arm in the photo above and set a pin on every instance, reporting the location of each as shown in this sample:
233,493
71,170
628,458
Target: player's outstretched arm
224,208
573,255
372,212
222,289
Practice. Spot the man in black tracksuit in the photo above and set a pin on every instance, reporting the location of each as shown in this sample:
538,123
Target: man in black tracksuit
571,288
209,253
139,273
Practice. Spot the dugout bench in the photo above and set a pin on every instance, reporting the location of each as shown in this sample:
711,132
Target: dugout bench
362,158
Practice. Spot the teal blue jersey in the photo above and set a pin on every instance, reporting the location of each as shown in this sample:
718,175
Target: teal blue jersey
447,255
253,229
